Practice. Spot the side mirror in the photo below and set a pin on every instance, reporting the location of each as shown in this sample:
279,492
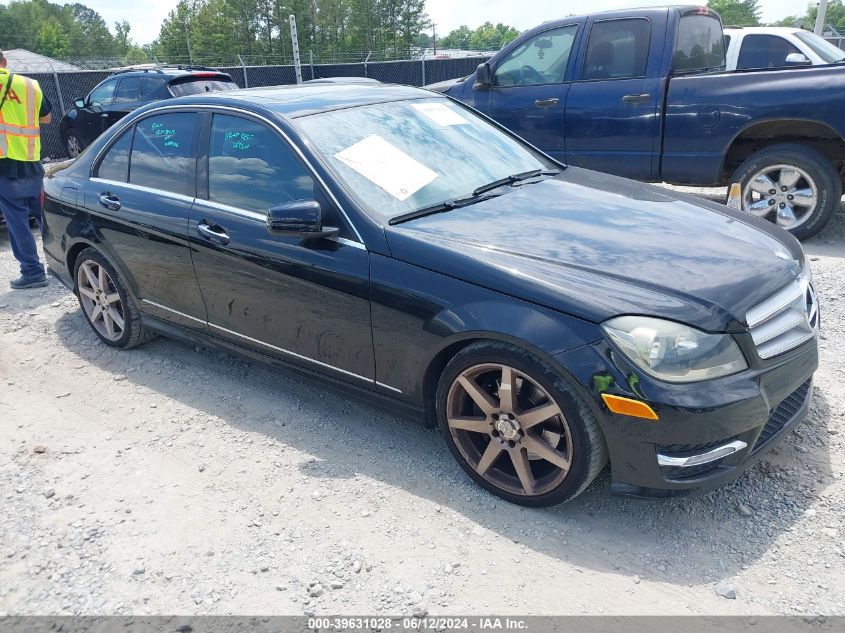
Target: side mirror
299,218
483,77
79,103
797,59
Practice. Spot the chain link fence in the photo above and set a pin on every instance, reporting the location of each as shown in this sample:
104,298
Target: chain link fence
62,88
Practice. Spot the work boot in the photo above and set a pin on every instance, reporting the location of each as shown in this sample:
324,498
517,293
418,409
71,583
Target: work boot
35,281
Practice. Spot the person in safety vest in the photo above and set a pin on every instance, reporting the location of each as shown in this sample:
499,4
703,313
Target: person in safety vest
23,107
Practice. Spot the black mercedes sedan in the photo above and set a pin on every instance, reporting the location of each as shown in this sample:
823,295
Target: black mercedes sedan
393,242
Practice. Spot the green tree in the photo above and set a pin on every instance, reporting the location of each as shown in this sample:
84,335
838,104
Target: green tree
737,12
52,40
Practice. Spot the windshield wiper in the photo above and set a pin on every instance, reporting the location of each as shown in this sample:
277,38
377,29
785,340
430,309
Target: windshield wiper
441,207
512,179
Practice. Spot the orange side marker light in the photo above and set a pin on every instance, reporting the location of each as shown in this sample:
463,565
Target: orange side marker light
627,406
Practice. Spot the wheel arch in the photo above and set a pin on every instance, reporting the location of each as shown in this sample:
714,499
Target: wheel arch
80,245
804,132
454,345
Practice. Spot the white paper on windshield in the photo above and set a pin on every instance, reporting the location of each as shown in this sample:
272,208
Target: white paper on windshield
387,166
440,114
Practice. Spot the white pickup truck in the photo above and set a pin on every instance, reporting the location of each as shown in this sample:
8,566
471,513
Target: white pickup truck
777,47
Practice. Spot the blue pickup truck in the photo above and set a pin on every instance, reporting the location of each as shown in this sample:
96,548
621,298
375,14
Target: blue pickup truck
643,94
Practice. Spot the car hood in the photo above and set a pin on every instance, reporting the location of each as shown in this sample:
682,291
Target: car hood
597,246
444,86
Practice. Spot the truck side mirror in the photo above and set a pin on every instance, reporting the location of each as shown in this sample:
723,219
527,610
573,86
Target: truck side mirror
797,59
483,77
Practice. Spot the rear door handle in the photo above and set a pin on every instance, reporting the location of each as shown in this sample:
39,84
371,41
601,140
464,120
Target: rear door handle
110,201
547,103
213,233
640,98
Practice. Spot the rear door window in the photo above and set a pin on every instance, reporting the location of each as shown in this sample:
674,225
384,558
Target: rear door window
127,90
618,49
700,44
764,51
163,152
150,87
115,164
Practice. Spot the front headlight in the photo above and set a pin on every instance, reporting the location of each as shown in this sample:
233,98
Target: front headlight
675,352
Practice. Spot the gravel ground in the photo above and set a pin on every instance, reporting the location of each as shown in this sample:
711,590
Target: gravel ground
173,479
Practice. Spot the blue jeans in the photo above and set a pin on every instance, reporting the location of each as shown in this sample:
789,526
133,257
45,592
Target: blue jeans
18,198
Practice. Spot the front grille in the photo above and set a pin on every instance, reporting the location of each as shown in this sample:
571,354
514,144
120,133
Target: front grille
782,414
785,320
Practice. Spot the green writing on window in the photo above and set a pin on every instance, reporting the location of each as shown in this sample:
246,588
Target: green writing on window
239,141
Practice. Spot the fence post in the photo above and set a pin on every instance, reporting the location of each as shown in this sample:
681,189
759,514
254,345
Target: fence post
366,59
422,61
311,59
243,66
58,89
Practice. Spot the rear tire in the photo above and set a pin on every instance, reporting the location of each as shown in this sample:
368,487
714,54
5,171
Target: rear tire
539,446
780,182
73,144
109,309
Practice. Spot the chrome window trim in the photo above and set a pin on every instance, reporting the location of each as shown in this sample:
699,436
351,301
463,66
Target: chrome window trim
712,455
270,345
290,353
158,192
225,108
182,314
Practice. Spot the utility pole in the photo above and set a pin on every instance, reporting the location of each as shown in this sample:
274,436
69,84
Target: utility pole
188,43
820,17
294,43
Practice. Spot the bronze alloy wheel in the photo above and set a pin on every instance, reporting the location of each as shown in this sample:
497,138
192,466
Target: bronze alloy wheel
101,300
509,429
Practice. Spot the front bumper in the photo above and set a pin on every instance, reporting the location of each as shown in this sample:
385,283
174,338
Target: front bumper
749,412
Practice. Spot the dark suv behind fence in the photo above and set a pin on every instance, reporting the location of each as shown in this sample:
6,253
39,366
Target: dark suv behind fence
123,92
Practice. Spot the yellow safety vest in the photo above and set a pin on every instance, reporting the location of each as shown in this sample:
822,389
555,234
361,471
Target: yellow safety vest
20,133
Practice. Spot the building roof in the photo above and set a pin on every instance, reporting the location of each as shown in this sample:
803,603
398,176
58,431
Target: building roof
20,60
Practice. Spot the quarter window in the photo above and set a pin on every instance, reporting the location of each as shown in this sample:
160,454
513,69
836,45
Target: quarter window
149,87
764,51
700,44
539,60
618,49
127,91
115,164
162,152
251,168
102,95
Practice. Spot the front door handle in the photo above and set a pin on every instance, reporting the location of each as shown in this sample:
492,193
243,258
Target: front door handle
213,233
639,98
547,103
110,201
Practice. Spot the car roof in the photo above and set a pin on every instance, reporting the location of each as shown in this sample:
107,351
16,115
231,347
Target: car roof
762,29
298,100
166,72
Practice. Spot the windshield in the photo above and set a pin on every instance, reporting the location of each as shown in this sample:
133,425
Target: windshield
821,47
403,156
198,86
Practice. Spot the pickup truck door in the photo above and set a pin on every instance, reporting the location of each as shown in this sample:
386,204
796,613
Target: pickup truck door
612,119
529,88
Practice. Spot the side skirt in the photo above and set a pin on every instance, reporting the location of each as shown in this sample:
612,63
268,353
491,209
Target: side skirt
392,405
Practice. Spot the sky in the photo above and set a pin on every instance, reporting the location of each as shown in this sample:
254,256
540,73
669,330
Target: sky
145,17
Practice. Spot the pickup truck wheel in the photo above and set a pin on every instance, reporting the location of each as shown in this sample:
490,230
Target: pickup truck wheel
793,186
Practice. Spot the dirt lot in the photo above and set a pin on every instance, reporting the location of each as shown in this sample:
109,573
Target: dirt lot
170,479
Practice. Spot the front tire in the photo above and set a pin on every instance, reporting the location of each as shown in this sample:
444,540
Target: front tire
793,186
109,309
517,426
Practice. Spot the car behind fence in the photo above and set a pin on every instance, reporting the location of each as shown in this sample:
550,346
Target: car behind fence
62,88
